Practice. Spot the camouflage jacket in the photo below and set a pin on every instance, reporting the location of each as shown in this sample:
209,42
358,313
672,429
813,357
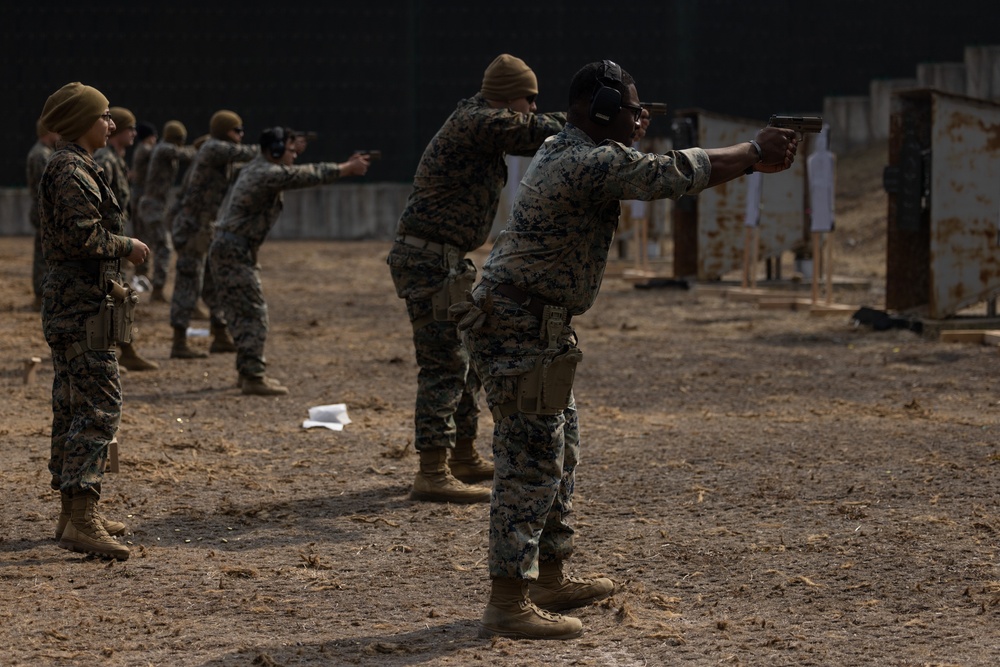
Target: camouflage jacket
456,188
80,222
116,173
256,199
140,163
38,157
565,213
164,163
209,177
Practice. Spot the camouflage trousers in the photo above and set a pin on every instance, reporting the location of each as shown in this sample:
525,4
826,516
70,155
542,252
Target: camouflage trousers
237,283
447,404
157,237
86,413
535,456
193,277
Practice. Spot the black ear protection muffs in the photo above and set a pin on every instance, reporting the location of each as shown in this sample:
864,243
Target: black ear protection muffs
607,101
273,141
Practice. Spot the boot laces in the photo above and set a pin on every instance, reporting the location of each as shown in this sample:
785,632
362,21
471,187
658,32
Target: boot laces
528,605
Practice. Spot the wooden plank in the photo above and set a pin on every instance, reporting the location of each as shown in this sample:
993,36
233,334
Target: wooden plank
740,294
832,309
784,304
991,337
638,275
962,336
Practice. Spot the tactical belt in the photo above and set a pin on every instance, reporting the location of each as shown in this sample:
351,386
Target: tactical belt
417,242
89,266
531,303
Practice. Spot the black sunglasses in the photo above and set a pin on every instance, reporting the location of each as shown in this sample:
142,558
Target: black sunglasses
635,109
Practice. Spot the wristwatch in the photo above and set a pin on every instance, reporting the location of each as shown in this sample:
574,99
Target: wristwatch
760,156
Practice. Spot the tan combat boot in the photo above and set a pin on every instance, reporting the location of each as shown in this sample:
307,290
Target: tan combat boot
134,361
510,613
221,340
85,534
157,295
555,591
113,527
466,464
261,386
435,482
180,349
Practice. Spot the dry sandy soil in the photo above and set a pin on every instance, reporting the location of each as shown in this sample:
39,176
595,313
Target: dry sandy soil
767,487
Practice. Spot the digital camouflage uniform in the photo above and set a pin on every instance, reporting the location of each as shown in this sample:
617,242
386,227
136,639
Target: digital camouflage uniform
38,157
456,193
251,210
206,183
81,225
140,164
555,248
116,174
164,163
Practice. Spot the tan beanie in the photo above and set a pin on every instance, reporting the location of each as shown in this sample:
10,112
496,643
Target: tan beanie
223,121
508,78
40,130
175,132
73,109
124,119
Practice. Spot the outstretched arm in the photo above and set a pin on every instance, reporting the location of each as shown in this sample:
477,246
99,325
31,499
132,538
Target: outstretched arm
778,147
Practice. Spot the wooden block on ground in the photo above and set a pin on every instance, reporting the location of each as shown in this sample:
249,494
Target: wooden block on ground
31,368
638,275
962,336
783,303
832,309
112,465
750,294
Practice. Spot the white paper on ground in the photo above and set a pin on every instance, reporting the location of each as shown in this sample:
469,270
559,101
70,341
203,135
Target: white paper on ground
333,417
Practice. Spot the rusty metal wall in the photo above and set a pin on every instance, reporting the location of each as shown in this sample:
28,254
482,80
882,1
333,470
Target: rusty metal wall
720,211
944,241
965,202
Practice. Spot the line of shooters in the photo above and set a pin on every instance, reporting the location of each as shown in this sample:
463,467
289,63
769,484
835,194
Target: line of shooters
507,331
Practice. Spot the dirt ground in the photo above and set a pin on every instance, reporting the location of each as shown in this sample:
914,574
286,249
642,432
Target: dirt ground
767,487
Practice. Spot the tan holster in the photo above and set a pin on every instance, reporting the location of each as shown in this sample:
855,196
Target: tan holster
461,277
113,322
548,387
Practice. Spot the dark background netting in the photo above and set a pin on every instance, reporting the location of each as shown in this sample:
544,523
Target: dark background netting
384,74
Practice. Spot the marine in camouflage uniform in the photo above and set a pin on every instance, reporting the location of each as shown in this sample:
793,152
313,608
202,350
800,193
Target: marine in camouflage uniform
83,242
456,193
38,157
165,162
545,268
111,158
209,177
145,139
251,210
